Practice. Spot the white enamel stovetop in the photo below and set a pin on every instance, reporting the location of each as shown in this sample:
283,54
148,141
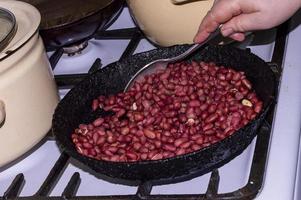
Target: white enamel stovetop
281,181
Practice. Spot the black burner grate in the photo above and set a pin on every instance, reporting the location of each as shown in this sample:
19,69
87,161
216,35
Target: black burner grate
132,34
249,191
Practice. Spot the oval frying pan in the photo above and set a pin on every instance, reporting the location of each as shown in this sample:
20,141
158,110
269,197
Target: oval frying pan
68,22
75,108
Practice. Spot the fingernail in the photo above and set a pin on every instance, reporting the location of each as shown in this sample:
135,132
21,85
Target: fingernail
196,39
226,31
200,37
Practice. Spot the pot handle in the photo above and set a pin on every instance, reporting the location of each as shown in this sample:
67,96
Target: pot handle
184,1
2,113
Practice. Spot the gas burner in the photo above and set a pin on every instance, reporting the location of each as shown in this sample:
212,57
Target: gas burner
75,49
132,34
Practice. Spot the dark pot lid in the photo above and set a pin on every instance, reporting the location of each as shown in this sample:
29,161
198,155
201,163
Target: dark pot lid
57,13
8,27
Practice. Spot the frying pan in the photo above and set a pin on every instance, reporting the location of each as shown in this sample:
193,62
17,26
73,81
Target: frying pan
75,108
69,22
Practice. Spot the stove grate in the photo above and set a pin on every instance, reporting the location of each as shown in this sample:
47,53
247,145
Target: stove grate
249,191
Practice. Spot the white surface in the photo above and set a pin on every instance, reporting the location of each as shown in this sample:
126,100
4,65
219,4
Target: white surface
281,171
282,163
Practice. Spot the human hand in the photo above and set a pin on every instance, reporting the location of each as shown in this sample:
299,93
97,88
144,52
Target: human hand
239,16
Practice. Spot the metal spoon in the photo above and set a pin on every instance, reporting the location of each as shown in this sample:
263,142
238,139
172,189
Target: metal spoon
214,38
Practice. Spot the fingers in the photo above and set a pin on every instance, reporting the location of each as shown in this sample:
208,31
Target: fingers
221,12
242,23
238,36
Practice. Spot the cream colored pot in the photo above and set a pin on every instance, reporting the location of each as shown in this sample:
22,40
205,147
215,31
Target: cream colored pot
28,94
169,22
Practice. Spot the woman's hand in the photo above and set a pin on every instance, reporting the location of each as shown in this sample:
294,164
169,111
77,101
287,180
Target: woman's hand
239,16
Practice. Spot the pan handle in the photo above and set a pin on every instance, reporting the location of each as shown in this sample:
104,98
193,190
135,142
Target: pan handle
2,113
184,1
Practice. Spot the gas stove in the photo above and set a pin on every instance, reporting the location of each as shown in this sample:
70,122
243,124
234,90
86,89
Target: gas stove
267,169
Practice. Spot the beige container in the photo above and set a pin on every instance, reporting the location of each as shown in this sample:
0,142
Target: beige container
166,22
28,94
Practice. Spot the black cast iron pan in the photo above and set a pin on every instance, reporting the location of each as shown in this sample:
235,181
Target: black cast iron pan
68,22
75,108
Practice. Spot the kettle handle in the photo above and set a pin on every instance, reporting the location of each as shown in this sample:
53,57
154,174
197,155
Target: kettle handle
182,1
2,113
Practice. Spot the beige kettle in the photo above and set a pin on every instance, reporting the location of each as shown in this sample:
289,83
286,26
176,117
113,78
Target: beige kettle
169,22
28,93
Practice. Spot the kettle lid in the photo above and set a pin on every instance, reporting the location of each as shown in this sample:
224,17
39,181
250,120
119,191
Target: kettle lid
8,27
21,21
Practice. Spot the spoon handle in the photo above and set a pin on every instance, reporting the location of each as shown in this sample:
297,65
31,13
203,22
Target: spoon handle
214,35
214,38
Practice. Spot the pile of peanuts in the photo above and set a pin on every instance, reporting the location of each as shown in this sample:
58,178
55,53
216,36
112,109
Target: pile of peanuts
186,107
